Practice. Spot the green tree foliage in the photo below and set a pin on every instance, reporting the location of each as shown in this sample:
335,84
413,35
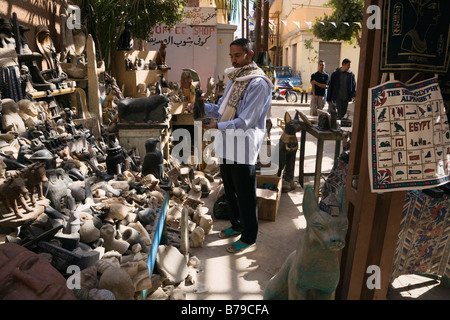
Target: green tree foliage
313,54
106,20
348,11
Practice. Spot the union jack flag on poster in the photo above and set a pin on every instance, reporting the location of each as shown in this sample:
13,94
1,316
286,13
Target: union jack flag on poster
409,136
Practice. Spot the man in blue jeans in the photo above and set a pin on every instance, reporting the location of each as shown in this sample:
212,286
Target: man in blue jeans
240,118
319,82
341,89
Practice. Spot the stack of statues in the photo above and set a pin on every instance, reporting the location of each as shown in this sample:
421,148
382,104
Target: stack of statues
73,195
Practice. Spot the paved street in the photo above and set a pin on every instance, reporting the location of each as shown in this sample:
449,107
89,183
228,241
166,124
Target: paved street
225,276
244,276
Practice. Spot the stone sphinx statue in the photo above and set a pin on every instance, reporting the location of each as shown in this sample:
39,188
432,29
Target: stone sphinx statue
143,110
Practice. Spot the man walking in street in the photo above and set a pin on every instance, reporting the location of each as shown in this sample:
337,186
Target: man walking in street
341,89
319,82
240,118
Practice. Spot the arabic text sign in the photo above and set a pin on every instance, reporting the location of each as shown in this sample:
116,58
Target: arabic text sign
196,16
181,35
409,136
193,47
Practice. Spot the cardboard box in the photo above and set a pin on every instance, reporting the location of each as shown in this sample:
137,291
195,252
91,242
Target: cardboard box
268,200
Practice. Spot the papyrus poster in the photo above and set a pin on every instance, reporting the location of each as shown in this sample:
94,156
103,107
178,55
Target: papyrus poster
415,36
409,136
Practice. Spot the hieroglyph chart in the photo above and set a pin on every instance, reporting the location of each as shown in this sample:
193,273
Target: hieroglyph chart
409,136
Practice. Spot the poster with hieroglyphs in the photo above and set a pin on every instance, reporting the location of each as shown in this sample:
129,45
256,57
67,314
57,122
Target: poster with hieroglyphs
409,136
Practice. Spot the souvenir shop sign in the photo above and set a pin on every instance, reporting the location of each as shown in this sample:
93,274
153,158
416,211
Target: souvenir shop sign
409,136
415,36
192,47
182,36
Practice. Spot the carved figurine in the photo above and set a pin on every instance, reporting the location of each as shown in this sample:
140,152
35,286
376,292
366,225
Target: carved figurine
29,112
163,81
153,108
220,88
107,232
111,84
108,106
160,57
209,94
48,50
153,159
27,276
115,156
312,271
11,120
129,64
154,162
56,189
13,192
125,39
287,151
2,169
35,175
187,87
199,105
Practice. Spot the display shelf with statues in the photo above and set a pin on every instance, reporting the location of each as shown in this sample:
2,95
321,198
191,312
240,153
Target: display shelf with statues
136,71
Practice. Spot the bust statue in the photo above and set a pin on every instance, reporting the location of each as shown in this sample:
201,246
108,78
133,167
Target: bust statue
11,120
24,274
29,112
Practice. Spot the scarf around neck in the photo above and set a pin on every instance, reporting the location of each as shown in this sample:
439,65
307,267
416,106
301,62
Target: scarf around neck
240,78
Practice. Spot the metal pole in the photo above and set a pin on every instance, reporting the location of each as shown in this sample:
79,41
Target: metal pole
258,28
247,20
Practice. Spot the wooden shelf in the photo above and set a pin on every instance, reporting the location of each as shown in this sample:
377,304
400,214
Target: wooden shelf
73,92
129,80
58,92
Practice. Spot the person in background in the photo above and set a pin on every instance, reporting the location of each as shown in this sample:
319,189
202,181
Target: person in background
341,89
240,118
319,82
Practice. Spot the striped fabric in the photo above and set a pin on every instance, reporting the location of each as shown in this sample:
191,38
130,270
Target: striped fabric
423,246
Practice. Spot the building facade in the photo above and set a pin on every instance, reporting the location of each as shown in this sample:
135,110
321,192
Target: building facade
292,43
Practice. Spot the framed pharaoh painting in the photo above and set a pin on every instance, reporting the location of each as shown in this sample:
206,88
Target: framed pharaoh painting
415,36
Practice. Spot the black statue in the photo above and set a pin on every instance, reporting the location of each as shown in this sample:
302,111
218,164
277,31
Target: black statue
125,40
153,108
199,105
154,162
288,149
